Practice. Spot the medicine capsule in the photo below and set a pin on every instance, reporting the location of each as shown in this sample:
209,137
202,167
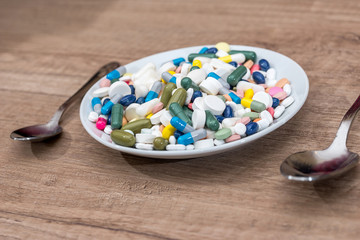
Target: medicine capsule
177,111
217,77
181,125
101,122
203,50
168,77
253,104
228,112
96,105
264,65
154,91
106,109
211,121
137,125
117,73
194,55
160,143
140,100
168,131
195,95
276,102
232,95
212,50
127,100
236,75
258,78
238,57
251,128
196,63
167,93
192,137
117,116
187,83
123,138
179,96
177,61
248,54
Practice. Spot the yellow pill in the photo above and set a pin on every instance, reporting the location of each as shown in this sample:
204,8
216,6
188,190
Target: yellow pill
196,63
171,72
246,102
150,115
168,131
226,59
128,74
249,93
223,46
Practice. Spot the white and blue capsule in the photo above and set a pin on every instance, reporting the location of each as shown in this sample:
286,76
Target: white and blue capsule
154,91
181,125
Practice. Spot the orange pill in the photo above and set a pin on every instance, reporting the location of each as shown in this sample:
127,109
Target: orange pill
256,119
282,82
248,64
227,97
232,138
124,121
161,128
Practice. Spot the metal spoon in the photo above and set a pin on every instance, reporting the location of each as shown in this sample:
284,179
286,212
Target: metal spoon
37,133
331,162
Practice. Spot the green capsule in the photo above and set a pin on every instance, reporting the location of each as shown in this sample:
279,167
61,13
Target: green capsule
177,111
114,80
117,116
249,55
179,96
222,98
160,143
194,55
187,83
194,68
137,125
167,92
257,106
187,111
211,121
223,133
123,138
251,115
236,75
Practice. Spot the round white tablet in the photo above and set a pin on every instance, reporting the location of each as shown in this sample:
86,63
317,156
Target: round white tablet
214,104
119,87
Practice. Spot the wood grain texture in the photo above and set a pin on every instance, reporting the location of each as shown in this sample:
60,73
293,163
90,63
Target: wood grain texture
73,188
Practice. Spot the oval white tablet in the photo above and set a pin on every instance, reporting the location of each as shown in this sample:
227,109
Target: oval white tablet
198,119
214,104
101,92
119,87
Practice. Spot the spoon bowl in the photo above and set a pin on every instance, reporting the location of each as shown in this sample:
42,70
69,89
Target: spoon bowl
36,133
328,163
41,132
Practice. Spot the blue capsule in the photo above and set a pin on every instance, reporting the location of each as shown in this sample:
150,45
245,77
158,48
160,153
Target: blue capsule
178,133
195,95
258,78
168,77
276,102
106,100
233,63
154,91
203,50
127,100
219,118
117,73
96,105
212,50
251,128
108,121
264,65
228,112
177,61
191,137
140,100
132,88
181,125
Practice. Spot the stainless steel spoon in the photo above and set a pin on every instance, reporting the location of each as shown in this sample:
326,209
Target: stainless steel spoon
331,162
37,133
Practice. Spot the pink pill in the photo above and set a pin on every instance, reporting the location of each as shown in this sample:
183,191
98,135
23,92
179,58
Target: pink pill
157,107
280,95
244,120
101,124
233,138
190,106
105,82
178,69
271,111
240,93
274,90
255,67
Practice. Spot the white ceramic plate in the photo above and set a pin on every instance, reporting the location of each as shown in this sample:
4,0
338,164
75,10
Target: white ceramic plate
284,66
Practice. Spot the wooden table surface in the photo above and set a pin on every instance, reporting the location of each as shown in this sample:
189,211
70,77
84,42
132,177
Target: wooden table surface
74,188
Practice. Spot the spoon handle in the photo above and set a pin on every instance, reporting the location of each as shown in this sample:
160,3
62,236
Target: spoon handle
343,131
100,73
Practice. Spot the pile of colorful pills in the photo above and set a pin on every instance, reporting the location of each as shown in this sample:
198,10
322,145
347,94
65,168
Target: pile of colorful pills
219,95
